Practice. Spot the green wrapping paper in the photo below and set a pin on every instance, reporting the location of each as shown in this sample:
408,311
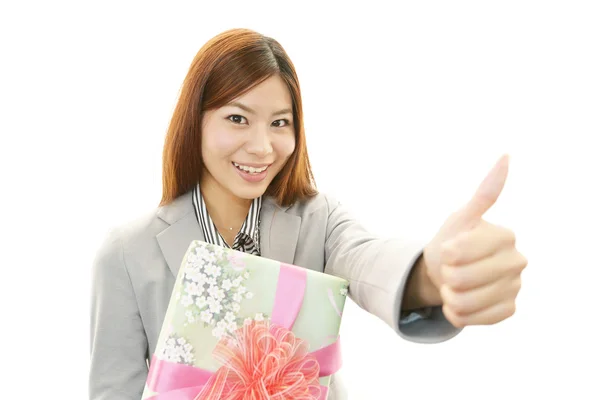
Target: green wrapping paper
222,294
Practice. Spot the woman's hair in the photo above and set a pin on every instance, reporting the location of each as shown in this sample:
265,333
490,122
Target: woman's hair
226,67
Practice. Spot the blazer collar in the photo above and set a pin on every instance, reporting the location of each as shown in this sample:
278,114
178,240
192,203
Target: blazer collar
279,231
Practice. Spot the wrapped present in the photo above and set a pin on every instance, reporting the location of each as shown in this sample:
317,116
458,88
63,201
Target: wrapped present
240,326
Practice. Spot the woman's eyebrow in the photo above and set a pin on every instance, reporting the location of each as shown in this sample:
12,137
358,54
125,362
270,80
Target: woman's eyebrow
251,111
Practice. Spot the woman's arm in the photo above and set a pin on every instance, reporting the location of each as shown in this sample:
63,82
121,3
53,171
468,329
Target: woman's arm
378,271
420,292
118,367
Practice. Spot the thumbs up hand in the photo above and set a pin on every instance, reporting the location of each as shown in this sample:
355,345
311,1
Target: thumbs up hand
473,263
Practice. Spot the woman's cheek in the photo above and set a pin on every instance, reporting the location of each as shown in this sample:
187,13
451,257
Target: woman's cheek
225,142
286,146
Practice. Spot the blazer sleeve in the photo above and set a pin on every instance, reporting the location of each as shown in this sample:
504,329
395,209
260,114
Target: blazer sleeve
118,368
377,270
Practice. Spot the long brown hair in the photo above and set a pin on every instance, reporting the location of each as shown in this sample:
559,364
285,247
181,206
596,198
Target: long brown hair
226,67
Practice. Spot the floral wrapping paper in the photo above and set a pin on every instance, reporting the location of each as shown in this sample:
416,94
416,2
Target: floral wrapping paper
219,291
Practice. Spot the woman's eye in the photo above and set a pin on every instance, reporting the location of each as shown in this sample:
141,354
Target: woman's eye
280,123
236,119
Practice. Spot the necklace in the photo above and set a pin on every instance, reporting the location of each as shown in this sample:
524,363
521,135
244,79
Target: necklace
220,227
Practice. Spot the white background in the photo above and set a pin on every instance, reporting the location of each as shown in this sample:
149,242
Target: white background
406,110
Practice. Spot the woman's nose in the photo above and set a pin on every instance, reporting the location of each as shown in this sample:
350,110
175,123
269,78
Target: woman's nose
260,143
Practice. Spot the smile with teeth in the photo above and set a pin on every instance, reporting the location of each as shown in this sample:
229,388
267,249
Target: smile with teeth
250,170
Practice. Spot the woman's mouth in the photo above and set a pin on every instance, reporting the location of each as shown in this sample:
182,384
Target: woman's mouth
251,169
252,173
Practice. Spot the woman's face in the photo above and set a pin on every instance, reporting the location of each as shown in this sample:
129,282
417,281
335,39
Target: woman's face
248,141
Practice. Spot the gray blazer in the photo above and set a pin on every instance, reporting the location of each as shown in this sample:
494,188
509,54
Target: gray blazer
135,268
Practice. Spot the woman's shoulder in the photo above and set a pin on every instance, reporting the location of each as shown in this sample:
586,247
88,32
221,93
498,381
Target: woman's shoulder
141,229
137,235
149,223
138,230
320,203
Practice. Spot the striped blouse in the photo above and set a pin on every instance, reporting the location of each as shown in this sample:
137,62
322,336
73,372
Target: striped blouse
247,240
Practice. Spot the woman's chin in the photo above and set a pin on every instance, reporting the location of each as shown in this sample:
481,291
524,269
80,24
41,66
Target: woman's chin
249,193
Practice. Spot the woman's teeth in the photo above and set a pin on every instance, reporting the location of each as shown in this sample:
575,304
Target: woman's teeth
251,170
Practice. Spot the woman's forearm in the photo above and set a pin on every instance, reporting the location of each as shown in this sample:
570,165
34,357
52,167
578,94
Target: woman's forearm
420,291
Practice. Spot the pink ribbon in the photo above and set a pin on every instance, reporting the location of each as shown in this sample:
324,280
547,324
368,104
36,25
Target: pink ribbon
183,382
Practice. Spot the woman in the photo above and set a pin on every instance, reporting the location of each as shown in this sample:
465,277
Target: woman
236,173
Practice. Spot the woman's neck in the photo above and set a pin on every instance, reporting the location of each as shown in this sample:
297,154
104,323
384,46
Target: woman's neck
227,211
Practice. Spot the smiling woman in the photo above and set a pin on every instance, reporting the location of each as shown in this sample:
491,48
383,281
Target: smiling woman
248,139
236,174
248,99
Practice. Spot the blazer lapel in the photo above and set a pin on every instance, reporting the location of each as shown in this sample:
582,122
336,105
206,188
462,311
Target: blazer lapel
279,232
182,230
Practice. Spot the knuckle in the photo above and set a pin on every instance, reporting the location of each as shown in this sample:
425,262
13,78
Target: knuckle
524,261
447,273
453,277
447,295
517,285
456,303
511,309
520,262
510,236
458,282
456,320
449,254
461,309
457,323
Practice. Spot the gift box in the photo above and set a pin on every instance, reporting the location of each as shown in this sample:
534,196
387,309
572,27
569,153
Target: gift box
242,326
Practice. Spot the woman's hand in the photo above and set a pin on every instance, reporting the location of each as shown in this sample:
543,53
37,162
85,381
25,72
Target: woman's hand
475,264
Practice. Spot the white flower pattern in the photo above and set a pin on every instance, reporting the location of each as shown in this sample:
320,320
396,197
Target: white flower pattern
212,291
176,349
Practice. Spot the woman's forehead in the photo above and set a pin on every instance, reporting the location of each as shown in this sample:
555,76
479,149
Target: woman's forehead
270,96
